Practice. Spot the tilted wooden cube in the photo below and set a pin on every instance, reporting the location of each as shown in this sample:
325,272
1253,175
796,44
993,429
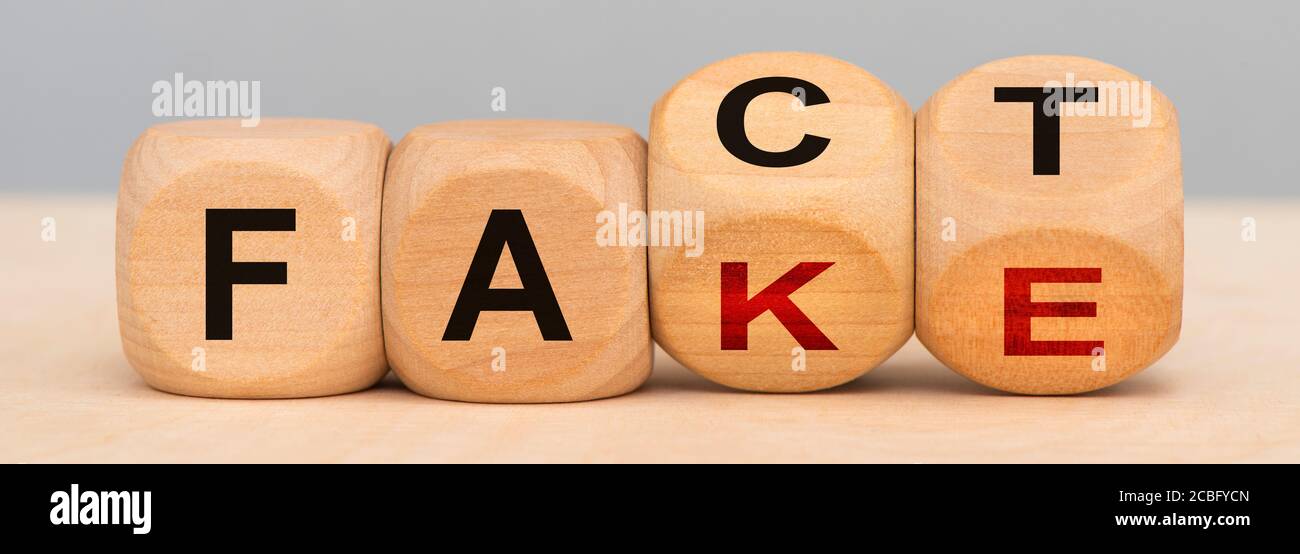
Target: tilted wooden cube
498,285
801,168
1049,225
248,258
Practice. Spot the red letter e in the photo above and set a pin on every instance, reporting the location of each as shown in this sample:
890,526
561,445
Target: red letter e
1019,309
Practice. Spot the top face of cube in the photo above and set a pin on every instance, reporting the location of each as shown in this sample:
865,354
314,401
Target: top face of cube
1111,128
333,155
521,131
269,128
590,156
781,100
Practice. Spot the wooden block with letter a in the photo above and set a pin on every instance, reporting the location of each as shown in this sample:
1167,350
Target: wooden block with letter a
1049,225
797,171
498,285
248,257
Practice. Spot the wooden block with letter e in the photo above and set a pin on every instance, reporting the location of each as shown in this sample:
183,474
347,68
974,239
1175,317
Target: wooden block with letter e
498,283
1049,225
791,175
248,257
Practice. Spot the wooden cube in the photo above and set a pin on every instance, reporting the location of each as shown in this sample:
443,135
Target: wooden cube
1049,225
497,285
801,168
248,258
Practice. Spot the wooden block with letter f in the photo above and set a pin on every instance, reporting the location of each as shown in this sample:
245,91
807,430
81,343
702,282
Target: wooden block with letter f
1049,225
248,257
508,271
791,177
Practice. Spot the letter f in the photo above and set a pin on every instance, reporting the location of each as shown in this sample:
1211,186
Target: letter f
223,273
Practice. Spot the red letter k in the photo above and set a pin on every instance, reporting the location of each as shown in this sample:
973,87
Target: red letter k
738,309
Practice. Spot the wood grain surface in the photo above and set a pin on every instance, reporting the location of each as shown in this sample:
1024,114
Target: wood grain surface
317,332
847,212
443,187
1229,391
1104,232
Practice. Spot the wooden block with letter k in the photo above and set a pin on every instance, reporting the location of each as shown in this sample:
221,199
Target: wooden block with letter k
796,170
498,284
248,257
1049,224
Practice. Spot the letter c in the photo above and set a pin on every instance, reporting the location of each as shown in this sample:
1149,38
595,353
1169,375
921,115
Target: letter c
731,123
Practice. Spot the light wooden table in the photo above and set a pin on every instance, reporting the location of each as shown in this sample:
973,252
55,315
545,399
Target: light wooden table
1229,392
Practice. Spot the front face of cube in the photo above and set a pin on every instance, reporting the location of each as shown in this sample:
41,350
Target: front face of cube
498,284
1049,225
245,275
797,172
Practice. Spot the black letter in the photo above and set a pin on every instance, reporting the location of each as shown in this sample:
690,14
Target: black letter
506,227
731,123
223,274
1047,127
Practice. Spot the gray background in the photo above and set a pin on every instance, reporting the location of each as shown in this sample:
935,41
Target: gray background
77,75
